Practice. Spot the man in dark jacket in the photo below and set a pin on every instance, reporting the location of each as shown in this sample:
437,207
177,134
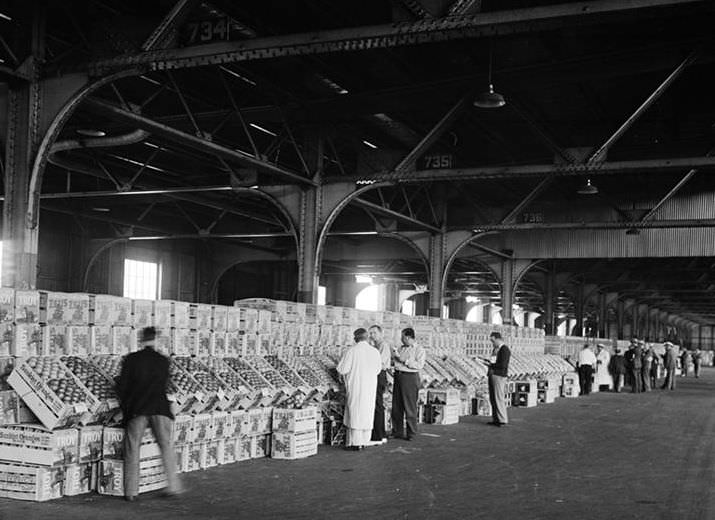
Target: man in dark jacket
636,365
617,368
497,374
142,394
669,363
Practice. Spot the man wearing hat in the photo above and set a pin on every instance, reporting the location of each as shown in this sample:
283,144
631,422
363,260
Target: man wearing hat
669,364
617,367
602,377
142,393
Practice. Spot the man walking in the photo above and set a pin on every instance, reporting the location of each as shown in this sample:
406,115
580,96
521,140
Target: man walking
697,359
408,360
670,363
497,374
586,362
617,367
359,367
142,393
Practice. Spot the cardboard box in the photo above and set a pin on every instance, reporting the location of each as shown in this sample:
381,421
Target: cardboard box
54,340
448,396
546,396
183,425
203,428
260,446
7,305
442,413
183,342
228,450
295,420
80,479
219,319
123,340
27,341
233,319
182,315
27,307
100,340
66,308
192,457
210,454
9,404
7,336
142,313
204,342
111,310
31,482
32,444
110,479
223,425
202,313
526,399
529,386
234,344
289,445
163,313
260,421
44,402
218,344
90,443
113,444
78,340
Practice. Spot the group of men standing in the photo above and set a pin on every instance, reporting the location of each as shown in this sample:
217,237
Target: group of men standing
638,367
364,368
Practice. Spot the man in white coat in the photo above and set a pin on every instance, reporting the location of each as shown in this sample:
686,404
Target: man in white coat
359,367
602,376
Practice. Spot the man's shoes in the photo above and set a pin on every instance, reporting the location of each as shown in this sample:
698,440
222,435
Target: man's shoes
408,438
374,443
394,435
384,440
131,498
498,424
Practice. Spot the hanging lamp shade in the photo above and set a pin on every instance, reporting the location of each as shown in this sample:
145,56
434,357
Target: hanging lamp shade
490,99
588,189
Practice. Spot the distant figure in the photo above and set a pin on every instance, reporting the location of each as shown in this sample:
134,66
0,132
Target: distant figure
697,360
408,360
685,360
142,394
602,377
379,436
655,365
497,376
586,362
628,357
617,367
646,364
636,365
669,363
359,367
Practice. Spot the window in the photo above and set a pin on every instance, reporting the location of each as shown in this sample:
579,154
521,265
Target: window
141,279
408,307
321,294
368,299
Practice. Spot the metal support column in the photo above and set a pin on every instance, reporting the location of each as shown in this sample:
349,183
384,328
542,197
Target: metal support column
578,307
19,262
310,211
507,291
620,319
602,316
437,258
548,320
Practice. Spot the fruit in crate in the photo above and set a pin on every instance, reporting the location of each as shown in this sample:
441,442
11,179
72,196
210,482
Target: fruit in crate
182,380
110,365
199,372
59,380
247,373
90,377
225,373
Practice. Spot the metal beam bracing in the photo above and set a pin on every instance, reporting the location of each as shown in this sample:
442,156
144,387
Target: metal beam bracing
672,191
399,216
158,191
600,153
383,36
433,135
537,170
194,142
489,250
168,26
651,224
538,189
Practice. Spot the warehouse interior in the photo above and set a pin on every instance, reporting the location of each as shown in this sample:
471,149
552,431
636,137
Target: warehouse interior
544,164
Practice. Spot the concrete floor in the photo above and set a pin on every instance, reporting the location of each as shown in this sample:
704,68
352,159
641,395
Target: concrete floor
607,455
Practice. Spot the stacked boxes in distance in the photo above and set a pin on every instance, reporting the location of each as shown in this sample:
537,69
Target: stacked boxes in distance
254,380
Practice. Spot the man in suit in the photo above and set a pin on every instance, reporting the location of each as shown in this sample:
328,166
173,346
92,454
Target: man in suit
669,363
497,374
142,393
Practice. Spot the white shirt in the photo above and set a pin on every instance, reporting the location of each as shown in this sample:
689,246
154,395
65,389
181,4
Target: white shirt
359,366
586,357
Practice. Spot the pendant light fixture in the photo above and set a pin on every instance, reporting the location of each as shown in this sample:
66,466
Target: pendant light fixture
490,99
588,189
